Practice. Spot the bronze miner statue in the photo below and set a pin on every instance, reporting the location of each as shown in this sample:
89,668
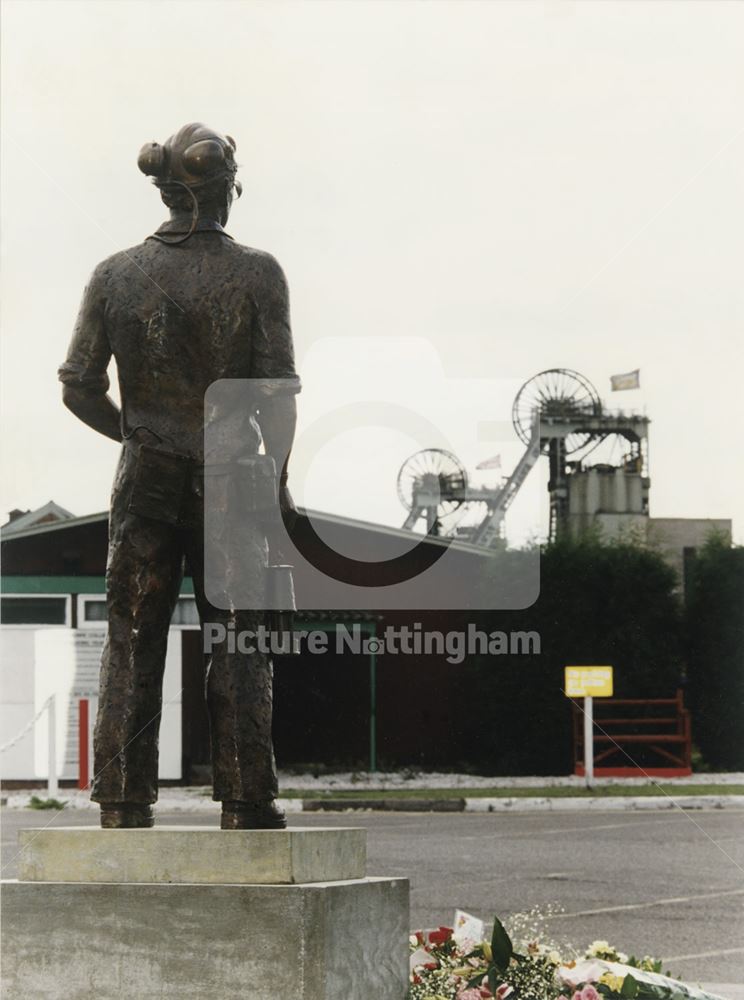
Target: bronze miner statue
185,308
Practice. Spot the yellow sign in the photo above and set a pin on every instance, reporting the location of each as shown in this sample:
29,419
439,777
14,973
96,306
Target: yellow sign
589,682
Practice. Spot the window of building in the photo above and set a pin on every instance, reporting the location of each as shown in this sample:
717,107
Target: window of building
33,610
184,614
95,610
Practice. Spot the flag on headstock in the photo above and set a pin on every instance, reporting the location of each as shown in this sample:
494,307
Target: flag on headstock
628,380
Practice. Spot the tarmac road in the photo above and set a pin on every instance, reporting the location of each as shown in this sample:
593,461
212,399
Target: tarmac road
669,883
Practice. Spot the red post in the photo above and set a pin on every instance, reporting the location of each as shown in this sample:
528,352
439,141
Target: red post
83,772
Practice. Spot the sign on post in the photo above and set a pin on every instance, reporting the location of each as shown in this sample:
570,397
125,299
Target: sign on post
588,683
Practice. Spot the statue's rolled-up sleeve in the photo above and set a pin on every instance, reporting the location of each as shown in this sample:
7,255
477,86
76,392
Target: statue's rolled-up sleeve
89,352
272,353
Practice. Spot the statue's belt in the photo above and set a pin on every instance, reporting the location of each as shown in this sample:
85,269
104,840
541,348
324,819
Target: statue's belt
164,482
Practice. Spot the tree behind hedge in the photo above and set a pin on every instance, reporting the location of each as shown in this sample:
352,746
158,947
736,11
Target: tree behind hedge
715,638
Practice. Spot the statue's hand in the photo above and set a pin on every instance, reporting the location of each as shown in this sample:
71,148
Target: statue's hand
141,435
287,507
278,530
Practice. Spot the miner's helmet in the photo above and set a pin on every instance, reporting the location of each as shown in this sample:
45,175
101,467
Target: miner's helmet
192,158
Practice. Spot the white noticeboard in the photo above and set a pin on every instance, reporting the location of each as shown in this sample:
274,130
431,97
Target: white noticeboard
67,665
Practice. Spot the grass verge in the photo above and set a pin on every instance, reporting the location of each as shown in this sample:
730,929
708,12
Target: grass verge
601,791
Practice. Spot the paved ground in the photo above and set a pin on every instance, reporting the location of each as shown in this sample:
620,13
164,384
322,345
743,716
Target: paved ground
669,883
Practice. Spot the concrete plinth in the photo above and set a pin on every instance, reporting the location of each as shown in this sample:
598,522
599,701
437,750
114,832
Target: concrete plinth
341,939
192,854
328,941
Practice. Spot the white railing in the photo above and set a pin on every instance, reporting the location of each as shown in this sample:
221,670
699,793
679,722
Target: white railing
50,707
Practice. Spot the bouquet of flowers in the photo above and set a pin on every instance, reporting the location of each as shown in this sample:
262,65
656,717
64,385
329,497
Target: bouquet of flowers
446,965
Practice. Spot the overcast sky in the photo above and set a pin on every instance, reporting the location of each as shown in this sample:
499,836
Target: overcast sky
514,186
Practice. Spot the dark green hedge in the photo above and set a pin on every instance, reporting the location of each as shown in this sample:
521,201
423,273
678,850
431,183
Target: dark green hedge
715,652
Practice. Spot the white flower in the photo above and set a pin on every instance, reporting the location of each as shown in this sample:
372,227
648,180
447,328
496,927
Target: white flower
582,972
598,946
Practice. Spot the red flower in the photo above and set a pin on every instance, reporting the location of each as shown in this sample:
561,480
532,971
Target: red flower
440,936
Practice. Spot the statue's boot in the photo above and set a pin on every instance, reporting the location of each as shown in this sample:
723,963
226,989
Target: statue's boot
252,816
126,815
